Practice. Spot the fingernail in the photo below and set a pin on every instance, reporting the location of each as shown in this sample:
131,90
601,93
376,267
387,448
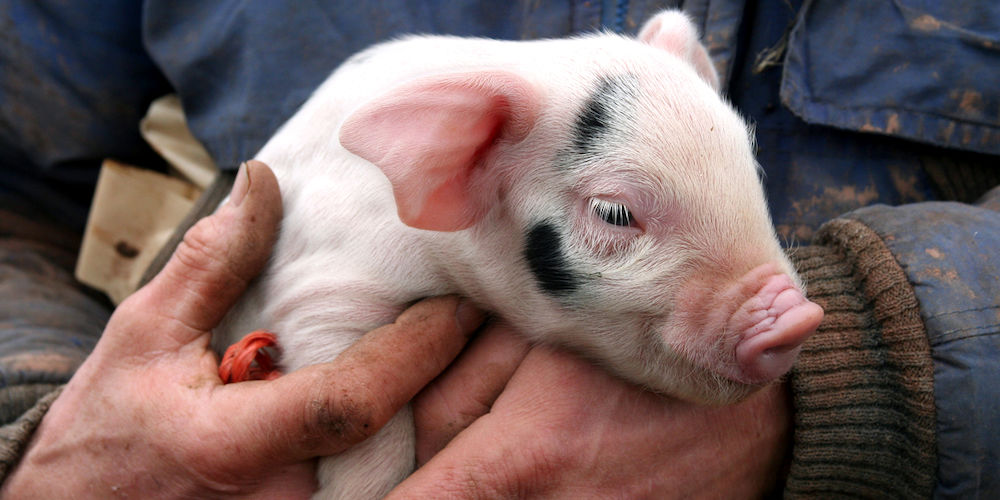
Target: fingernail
240,186
469,316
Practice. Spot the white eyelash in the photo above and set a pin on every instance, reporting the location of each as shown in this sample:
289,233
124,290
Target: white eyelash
611,212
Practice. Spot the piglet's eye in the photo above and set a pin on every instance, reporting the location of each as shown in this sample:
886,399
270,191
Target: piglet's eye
612,212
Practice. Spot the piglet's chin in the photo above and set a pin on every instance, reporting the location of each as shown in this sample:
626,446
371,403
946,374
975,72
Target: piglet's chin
782,319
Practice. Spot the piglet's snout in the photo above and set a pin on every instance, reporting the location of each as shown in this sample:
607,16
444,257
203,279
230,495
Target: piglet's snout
771,327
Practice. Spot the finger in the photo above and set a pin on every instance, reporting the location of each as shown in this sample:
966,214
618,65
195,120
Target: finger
552,418
323,409
482,462
467,389
513,451
217,258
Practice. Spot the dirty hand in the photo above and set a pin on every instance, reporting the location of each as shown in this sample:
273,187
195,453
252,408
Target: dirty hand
508,420
146,415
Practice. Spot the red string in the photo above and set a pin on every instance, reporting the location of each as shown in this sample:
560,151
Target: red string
248,360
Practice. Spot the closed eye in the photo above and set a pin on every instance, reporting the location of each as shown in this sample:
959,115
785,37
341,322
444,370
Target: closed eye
612,212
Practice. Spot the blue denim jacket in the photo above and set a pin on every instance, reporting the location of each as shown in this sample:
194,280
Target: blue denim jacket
853,102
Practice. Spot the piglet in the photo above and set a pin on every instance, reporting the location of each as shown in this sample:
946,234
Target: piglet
596,192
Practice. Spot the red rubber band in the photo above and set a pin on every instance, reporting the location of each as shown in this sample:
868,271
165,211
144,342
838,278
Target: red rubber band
248,360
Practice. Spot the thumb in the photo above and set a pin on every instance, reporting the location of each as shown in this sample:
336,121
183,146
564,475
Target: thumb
216,260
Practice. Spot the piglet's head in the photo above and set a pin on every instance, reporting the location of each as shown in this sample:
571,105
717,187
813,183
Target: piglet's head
617,203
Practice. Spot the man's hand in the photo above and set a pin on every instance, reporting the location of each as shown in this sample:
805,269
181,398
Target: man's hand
146,415
512,421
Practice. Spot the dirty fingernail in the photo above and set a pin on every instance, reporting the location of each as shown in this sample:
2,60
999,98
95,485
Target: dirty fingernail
240,186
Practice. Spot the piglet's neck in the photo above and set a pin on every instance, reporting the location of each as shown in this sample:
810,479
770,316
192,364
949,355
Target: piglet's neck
486,264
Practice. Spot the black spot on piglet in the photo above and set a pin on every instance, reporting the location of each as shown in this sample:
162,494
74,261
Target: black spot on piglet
613,96
544,253
592,123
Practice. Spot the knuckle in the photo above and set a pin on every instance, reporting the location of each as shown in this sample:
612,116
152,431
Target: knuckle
196,249
339,418
201,256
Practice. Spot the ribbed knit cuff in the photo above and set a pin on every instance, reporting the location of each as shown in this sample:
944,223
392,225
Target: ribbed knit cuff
14,437
863,386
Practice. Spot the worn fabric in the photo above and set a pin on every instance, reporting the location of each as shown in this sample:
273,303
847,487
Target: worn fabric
48,322
864,383
74,82
813,172
879,81
953,263
896,394
14,436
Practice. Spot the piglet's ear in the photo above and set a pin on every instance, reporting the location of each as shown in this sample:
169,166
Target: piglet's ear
430,137
674,32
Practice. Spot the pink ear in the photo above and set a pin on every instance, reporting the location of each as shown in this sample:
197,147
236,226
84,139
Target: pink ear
429,138
674,32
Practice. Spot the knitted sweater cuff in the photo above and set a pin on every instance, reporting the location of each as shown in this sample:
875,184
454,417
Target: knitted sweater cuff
863,386
14,437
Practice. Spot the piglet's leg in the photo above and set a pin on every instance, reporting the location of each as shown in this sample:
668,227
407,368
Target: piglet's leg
772,325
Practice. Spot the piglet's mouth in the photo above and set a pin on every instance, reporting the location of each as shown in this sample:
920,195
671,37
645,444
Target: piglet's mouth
771,326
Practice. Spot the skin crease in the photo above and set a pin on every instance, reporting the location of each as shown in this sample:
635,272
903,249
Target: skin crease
146,415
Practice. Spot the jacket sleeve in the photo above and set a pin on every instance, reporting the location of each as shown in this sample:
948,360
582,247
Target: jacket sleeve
895,395
14,437
48,322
